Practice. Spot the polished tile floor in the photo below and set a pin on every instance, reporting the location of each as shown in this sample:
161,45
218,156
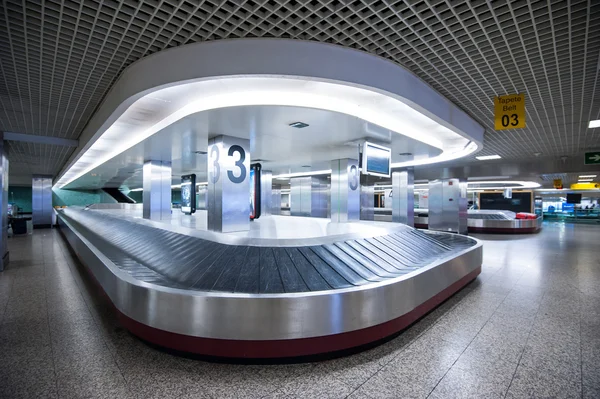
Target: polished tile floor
529,326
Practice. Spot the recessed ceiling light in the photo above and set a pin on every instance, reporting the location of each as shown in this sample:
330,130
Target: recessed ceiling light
537,154
587,176
299,125
594,124
488,157
585,180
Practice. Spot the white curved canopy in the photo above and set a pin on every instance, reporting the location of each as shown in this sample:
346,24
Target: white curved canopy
166,87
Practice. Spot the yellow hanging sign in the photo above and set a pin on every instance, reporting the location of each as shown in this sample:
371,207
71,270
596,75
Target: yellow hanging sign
585,186
509,112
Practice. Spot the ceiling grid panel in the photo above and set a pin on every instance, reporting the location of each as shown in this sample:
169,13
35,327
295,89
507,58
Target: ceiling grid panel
59,59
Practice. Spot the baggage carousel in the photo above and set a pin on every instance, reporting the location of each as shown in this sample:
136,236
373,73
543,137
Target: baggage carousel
478,221
236,296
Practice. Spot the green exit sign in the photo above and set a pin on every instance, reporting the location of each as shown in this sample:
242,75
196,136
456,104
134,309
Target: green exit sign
592,158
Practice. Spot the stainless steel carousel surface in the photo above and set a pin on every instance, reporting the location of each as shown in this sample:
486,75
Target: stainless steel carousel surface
250,297
478,221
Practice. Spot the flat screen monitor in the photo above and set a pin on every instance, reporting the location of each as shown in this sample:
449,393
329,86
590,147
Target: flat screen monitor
573,198
188,194
376,160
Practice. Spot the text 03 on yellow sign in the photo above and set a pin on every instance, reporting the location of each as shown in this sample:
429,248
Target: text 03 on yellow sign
509,112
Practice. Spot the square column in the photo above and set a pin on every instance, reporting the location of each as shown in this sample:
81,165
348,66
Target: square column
266,192
345,190
4,204
228,184
156,177
403,200
309,196
448,206
41,201
367,202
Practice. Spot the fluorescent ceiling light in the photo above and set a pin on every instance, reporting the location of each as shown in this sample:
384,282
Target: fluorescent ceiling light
594,124
314,173
585,180
487,178
378,108
204,183
587,176
488,157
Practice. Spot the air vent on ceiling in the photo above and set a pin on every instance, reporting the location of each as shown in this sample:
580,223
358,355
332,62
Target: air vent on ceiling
299,125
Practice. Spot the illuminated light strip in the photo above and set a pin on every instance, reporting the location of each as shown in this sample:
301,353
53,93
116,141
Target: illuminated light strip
522,184
382,117
298,174
204,183
443,157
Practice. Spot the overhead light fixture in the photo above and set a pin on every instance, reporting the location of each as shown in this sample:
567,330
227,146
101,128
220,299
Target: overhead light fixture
585,180
594,124
488,157
587,176
299,125
119,136
314,173
487,178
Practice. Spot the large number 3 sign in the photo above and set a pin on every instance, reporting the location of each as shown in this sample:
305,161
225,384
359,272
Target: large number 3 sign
216,167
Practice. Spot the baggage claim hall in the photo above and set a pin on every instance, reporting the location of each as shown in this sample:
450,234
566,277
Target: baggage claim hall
300,199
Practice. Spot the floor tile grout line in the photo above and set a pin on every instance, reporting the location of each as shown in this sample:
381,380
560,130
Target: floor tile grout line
581,342
50,333
526,341
71,262
467,347
417,337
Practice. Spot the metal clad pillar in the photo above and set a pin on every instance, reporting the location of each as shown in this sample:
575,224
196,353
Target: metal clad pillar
4,204
276,200
447,206
266,192
345,190
228,184
156,176
300,196
403,200
367,202
41,201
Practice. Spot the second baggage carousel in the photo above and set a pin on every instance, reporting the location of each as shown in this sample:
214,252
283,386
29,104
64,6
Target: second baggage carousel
263,296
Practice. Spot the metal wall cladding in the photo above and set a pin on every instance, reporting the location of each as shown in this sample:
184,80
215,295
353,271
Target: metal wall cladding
447,206
156,180
228,184
309,196
403,199
41,200
266,193
367,203
276,200
201,197
345,192
4,204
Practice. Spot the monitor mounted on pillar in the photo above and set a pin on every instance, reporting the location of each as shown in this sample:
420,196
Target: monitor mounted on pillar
376,160
188,194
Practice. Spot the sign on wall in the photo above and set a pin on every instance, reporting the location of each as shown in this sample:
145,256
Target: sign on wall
509,112
592,158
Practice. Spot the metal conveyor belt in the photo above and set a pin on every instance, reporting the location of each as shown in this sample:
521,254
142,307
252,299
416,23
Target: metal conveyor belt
180,261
